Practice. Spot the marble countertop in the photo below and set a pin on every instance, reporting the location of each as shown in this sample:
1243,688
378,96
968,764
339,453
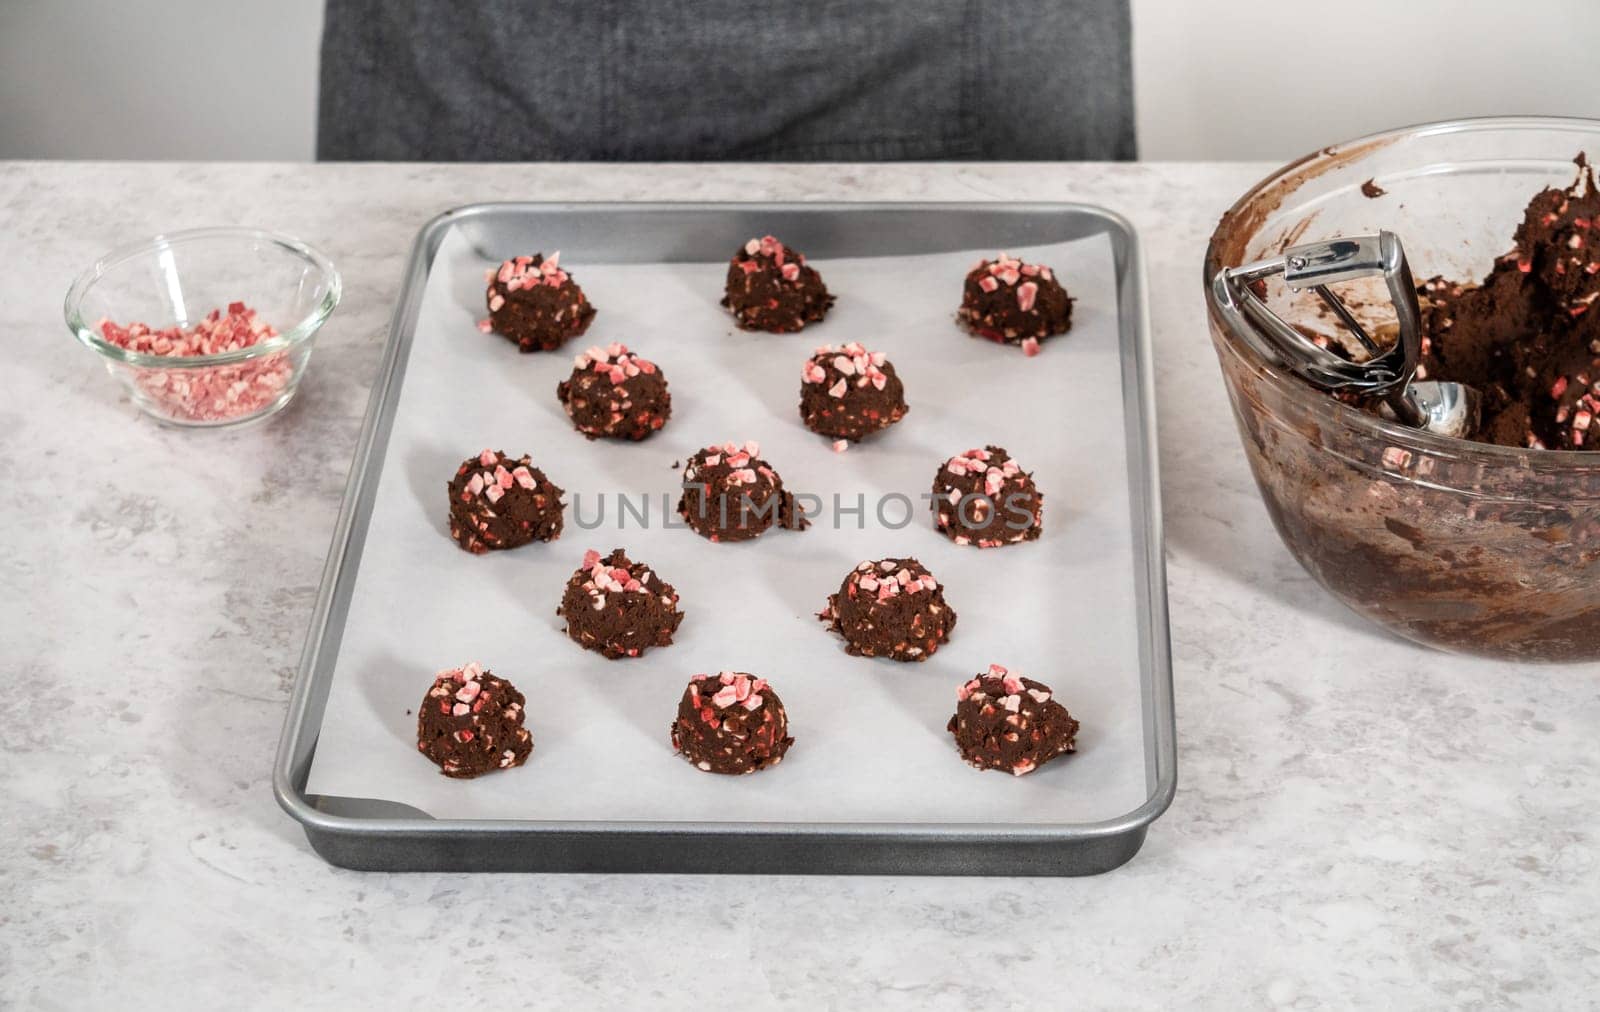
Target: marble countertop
1358,821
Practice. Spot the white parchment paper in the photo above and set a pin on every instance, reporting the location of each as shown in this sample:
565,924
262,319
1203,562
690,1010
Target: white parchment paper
870,738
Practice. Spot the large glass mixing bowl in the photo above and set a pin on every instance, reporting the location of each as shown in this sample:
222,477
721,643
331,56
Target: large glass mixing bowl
1484,549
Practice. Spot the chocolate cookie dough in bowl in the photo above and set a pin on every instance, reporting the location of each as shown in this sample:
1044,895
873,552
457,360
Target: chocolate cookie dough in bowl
1474,546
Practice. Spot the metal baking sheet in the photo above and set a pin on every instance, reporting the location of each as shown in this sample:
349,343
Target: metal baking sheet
1053,826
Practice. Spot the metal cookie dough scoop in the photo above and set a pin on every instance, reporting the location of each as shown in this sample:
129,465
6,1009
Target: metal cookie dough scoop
1448,409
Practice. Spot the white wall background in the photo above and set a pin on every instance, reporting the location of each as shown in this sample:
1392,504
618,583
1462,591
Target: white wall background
1275,79
1215,79
159,79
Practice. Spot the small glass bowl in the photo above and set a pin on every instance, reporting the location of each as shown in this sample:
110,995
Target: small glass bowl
175,280
1490,550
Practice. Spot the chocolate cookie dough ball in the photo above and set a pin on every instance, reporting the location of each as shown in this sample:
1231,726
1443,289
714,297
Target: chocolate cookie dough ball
619,607
890,608
850,392
535,304
770,288
499,502
981,497
470,723
1011,302
731,494
1005,722
615,394
733,723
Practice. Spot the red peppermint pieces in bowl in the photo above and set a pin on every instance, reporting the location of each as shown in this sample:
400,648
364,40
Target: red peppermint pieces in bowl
218,394
239,359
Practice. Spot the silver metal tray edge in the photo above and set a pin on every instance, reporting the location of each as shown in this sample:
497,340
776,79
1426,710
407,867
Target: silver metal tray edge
375,835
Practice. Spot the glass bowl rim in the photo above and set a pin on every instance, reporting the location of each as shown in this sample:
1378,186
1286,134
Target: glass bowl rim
1326,409
288,337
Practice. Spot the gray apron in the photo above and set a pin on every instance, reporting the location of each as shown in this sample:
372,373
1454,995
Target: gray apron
632,80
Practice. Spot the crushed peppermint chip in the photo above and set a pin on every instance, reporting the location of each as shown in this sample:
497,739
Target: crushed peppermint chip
1027,294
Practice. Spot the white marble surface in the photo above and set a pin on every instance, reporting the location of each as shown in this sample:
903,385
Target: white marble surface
1358,821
